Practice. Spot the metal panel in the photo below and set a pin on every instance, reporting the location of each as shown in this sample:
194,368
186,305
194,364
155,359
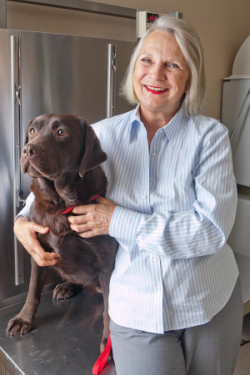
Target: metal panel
65,75
60,74
86,6
7,279
124,51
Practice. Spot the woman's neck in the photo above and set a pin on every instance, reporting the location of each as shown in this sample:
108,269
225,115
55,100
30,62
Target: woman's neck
154,121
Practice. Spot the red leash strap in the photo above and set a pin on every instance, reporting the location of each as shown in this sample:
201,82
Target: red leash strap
69,209
102,360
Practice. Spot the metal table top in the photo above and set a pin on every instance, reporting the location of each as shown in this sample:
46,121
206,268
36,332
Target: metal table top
65,338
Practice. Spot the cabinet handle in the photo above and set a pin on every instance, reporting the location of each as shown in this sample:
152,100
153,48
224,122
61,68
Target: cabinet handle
111,84
16,123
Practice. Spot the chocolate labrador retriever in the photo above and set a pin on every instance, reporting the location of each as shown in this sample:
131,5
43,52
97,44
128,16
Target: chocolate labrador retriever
62,155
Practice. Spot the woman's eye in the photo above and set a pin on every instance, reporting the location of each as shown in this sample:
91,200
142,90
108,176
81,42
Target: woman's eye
32,131
145,60
173,65
61,132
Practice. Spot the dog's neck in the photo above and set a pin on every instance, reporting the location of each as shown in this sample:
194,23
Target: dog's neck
67,190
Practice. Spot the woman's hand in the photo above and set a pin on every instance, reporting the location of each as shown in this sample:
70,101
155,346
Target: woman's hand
26,232
92,219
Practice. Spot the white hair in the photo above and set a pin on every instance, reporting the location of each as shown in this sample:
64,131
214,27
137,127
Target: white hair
190,45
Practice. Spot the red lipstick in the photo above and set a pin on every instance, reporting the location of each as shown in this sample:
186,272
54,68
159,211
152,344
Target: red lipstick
155,92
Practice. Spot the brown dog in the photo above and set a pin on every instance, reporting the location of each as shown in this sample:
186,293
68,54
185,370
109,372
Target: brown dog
62,155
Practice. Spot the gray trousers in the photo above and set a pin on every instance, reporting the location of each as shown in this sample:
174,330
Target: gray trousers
208,349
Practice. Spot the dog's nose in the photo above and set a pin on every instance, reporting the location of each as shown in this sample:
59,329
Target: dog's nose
29,150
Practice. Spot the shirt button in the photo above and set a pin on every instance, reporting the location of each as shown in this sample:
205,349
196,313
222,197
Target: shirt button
154,154
155,259
158,287
151,178
144,197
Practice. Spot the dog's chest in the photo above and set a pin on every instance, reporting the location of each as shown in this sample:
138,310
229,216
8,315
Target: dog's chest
81,278
58,224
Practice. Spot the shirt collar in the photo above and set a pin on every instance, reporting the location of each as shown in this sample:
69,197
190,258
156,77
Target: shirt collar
175,129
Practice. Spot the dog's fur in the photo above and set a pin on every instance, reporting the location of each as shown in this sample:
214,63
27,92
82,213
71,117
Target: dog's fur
62,155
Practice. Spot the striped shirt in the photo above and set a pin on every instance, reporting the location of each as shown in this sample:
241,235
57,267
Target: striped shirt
176,208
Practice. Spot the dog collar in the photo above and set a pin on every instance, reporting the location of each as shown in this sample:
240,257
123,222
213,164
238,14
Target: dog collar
69,209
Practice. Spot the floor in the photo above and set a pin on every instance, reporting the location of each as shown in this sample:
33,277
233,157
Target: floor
243,363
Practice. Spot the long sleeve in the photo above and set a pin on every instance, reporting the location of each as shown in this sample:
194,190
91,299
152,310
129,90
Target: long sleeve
26,210
201,230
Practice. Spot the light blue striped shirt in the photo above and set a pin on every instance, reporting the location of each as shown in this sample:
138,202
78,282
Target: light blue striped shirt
177,205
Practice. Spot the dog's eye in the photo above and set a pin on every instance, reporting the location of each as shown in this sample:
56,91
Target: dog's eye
32,131
61,132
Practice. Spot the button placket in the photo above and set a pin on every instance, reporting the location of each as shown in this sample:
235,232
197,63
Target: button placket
153,162
155,260
145,188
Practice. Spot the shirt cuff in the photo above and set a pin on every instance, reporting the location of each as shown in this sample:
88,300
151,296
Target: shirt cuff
18,216
124,224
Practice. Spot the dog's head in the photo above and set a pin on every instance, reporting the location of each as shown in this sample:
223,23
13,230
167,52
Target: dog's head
59,143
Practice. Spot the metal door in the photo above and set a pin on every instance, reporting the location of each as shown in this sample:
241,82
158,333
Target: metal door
58,74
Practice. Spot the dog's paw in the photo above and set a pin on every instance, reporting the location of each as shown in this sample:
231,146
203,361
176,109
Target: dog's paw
18,326
65,290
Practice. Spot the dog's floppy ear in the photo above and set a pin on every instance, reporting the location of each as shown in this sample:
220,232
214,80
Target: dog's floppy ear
93,154
27,131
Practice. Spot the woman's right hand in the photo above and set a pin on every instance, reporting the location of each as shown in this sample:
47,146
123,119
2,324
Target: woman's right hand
26,232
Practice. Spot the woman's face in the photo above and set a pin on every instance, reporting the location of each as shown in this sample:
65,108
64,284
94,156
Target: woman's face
161,74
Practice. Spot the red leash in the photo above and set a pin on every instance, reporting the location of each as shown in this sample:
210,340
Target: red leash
69,209
102,359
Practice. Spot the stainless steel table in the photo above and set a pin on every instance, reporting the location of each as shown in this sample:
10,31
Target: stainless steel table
64,341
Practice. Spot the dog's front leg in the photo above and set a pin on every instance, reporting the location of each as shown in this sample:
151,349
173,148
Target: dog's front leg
104,280
22,322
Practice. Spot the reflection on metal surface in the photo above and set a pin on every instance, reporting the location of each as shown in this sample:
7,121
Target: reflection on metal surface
65,338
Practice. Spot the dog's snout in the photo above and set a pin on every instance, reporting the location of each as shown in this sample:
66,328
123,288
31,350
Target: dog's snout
29,150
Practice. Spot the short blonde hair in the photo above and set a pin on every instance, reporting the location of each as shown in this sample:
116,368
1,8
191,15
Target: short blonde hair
190,45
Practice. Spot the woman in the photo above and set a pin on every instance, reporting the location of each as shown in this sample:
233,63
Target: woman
175,301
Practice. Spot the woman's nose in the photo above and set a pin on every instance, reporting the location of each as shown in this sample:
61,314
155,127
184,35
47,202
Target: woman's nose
157,72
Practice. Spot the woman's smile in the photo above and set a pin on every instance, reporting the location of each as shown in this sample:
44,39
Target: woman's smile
155,90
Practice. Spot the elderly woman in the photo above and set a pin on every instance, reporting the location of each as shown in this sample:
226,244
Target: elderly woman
175,300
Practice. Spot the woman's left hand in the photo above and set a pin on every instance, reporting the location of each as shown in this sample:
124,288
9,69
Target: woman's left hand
92,219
